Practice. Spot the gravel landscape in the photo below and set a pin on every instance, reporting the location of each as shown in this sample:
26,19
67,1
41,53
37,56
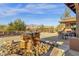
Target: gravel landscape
8,40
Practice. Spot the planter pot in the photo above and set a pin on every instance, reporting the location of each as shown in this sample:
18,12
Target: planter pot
74,44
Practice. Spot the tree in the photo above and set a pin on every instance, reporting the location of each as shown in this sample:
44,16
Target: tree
10,27
53,29
60,27
3,27
42,27
66,13
17,25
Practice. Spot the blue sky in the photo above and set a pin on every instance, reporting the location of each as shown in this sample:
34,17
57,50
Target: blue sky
31,13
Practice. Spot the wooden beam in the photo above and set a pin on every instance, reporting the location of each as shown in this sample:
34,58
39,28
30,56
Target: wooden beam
77,19
71,6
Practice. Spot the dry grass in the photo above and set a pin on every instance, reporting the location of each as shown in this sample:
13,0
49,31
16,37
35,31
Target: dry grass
10,38
46,34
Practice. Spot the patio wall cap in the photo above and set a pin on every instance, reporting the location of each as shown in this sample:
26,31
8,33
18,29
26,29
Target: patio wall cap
68,19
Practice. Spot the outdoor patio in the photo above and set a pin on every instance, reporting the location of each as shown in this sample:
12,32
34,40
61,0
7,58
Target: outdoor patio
62,44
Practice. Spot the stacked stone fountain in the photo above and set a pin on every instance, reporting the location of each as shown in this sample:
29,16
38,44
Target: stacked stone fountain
30,42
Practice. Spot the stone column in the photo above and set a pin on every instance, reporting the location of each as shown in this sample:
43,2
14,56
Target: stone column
77,19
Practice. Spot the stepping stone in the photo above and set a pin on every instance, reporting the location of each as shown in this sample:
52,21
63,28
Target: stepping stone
57,52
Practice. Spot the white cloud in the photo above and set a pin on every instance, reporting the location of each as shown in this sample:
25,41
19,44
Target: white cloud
40,6
28,8
47,21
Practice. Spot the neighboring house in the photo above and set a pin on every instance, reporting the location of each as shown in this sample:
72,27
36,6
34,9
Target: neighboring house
70,23
33,27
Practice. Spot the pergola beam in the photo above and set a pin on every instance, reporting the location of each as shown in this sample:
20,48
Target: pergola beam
71,6
77,19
